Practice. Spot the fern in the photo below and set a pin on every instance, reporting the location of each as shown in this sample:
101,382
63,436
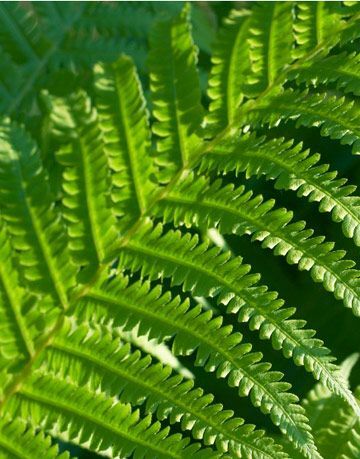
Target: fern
40,40
107,202
292,168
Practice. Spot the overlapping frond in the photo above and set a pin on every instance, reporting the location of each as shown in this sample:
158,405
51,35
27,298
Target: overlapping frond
175,94
217,348
106,362
239,212
336,427
40,38
18,440
28,47
231,62
20,35
126,132
86,180
270,43
32,219
207,272
292,168
96,420
336,116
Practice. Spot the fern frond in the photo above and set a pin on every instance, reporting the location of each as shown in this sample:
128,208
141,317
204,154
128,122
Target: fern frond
270,43
97,421
239,212
87,270
29,47
126,131
344,69
336,427
10,80
86,201
175,94
16,344
206,273
230,63
255,304
340,439
19,34
17,440
325,409
33,222
292,168
315,22
107,363
337,117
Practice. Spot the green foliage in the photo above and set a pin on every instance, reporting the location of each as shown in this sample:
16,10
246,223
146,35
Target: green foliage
125,190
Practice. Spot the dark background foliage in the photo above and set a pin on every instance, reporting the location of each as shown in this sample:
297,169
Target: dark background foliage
125,28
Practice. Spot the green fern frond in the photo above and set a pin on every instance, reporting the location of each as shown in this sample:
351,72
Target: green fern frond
33,222
294,169
107,363
98,420
235,211
17,440
126,131
217,349
107,269
270,43
85,180
231,61
337,117
175,94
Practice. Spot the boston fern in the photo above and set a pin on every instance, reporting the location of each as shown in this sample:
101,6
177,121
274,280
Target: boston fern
116,277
